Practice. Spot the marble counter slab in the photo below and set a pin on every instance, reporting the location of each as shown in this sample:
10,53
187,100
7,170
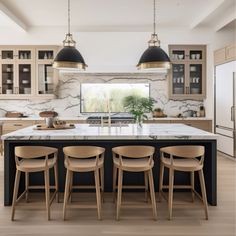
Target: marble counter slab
131,132
40,118
82,118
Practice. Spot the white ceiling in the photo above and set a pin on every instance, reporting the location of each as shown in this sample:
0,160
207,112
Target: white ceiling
121,14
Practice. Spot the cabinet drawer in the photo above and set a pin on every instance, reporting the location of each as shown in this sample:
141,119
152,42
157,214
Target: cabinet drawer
15,125
205,125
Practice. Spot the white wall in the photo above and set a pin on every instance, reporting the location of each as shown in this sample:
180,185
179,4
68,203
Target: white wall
120,51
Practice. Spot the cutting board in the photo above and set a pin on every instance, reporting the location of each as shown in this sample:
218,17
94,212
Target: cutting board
44,127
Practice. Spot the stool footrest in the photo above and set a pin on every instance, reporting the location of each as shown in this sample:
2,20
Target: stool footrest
81,206
40,187
132,187
178,186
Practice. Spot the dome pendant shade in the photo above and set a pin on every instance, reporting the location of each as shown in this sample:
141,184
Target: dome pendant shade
154,57
69,57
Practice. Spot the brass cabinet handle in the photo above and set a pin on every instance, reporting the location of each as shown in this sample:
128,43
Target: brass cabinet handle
17,124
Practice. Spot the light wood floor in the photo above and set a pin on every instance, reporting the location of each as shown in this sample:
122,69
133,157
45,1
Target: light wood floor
187,220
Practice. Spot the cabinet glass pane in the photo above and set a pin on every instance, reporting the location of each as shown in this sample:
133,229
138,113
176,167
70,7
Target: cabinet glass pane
195,79
195,55
24,79
45,79
7,54
178,55
178,78
45,54
7,78
24,54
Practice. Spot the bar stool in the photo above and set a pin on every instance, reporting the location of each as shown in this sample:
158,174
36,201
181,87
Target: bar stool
133,159
187,161
31,159
84,159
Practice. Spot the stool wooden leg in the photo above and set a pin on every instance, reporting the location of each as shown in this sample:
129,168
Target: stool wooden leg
203,189
146,185
71,186
171,186
152,193
27,186
47,192
15,193
102,182
161,180
98,193
119,194
192,185
114,182
56,181
66,194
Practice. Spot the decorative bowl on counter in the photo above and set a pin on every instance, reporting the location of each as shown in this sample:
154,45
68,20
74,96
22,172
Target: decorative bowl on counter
59,124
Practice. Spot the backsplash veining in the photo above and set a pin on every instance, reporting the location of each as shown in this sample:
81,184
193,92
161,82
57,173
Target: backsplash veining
67,102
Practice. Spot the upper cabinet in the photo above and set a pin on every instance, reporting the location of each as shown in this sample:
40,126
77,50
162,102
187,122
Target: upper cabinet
26,72
46,76
225,54
187,77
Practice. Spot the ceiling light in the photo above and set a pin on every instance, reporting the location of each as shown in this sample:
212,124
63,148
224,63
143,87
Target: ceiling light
154,57
69,57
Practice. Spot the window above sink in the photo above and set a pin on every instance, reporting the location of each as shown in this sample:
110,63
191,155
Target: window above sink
104,98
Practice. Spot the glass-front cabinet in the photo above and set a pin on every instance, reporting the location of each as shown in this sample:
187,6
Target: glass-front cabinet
188,72
16,70
26,72
46,76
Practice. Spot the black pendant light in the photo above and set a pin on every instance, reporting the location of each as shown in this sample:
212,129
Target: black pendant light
154,57
69,57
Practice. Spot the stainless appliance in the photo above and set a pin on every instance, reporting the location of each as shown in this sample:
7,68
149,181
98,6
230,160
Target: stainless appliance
225,112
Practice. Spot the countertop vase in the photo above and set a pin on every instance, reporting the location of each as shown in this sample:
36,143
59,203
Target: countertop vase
139,121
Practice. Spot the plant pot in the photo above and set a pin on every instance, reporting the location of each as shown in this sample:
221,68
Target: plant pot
158,114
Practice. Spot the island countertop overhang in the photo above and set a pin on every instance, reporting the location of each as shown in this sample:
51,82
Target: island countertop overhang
129,132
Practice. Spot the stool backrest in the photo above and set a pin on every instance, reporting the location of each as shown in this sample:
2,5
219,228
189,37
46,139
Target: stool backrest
83,152
34,151
184,151
135,151
31,152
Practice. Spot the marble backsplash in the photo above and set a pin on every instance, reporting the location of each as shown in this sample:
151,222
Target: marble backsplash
67,101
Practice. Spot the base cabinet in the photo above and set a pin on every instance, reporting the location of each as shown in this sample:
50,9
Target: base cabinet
205,125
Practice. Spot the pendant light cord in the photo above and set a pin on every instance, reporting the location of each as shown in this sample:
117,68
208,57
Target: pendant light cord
154,16
68,16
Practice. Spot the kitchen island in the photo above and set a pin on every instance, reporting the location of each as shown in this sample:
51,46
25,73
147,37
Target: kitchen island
157,135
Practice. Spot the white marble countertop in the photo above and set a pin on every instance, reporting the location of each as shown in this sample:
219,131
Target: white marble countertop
85,117
131,132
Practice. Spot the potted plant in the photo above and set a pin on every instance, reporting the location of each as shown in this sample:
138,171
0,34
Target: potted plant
138,106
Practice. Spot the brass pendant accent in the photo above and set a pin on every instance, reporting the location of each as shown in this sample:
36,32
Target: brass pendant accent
152,65
69,65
